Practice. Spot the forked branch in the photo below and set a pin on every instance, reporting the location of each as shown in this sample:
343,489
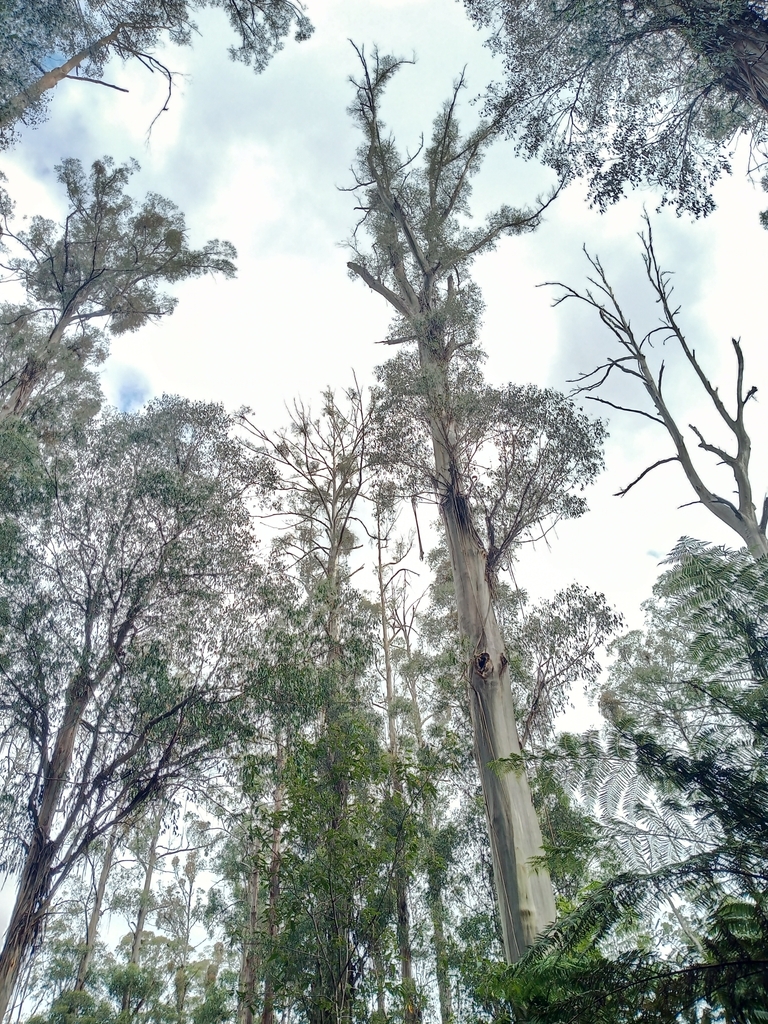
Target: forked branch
740,516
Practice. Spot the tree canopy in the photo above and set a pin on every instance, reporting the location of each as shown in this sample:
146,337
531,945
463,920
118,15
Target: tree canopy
278,749
44,42
635,92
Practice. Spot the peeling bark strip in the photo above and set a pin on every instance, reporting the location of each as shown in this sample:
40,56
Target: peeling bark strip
32,899
526,902
745,44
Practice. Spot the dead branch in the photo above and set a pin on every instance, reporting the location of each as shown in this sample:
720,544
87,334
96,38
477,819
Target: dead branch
661,462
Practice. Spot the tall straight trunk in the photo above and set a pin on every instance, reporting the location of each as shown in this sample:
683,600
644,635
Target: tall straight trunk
95,915
411,1011
36,874
268,1012
144,900
524,892
381,1002
17,106
444,991
434,895
249,965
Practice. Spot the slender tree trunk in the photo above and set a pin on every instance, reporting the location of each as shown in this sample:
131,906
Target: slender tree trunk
95,915
444,991
526,902
268,1012
144,900
17,106
36,874
434,897
381,1003
411,1011
250,962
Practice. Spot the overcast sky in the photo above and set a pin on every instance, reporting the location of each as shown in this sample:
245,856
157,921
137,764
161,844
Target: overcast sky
259,160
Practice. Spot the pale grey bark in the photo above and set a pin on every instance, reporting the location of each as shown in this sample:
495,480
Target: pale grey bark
411,1006
249,962
444,990
95,915
17,106
404,624
268,1009
740,516
419,260
145,898
524,893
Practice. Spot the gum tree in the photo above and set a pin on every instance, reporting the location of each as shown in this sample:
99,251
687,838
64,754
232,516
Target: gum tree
35,37
500,463
100,273
129,612
634,359
626,93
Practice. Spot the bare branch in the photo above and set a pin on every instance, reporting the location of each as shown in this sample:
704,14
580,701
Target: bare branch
661,462
398,341
95,81
377,286
624,408
729,460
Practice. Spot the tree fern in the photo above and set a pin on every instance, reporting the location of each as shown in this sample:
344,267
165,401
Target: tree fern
678,785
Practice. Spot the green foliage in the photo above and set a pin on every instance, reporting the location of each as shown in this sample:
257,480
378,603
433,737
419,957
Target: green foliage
76,1008
99,273
629,93
685,795
128,633
37,37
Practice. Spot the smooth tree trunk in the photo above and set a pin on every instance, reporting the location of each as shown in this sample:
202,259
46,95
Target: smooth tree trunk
444,990
525,899
381,1001
524,892
411,1009
144,900
434,895
17,106
95,915
33,894
268,1011
249,964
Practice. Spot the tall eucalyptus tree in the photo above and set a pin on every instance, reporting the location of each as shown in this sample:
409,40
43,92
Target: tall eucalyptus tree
128,615
500,462
641,91
100,273
636,362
